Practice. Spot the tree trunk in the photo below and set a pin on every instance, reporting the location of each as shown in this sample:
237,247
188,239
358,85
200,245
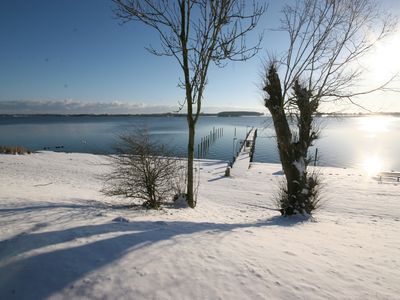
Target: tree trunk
299,194
293,161
295,169
190,158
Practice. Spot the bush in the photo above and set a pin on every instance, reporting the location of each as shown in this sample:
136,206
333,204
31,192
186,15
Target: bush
307,200
179,180
179,183
142,170
14,150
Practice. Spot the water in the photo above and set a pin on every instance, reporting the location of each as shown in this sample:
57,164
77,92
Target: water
360,142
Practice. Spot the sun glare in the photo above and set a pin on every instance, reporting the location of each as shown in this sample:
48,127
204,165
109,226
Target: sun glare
372,165
384,62
374,125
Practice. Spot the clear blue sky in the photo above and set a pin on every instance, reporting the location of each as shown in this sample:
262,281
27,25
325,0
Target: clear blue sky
73,55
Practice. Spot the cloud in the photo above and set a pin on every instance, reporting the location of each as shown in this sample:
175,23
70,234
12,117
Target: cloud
80,107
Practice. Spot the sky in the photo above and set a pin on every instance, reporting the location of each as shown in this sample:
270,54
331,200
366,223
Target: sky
74,56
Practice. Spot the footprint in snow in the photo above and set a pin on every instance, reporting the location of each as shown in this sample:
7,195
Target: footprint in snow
289,253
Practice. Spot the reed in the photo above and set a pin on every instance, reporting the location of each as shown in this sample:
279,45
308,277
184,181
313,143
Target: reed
14,150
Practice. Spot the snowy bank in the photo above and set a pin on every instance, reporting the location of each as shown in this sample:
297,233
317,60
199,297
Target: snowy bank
61,239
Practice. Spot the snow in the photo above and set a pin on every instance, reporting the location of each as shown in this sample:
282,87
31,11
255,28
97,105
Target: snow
300,165
61,239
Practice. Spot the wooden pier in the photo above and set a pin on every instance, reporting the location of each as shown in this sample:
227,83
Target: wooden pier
244,157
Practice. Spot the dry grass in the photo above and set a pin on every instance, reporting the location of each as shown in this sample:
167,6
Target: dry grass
14,150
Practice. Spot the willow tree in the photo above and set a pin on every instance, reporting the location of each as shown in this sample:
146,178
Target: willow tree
196,33
326,40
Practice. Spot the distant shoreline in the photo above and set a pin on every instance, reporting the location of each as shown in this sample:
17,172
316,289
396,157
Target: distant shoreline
220,114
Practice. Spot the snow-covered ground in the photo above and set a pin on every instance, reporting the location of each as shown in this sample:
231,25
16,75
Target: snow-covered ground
58,239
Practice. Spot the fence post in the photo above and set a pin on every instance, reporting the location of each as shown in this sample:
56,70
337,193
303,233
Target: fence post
315,157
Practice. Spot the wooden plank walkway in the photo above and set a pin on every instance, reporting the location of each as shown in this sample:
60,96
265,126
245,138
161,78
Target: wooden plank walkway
242,162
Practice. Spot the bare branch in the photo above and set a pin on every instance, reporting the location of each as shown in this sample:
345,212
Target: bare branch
327,39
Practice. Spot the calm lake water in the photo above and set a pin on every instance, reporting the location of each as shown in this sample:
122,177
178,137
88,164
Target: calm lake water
360,142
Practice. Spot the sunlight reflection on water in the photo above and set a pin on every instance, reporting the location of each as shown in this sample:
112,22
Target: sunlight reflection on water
373,165
373,150
374,125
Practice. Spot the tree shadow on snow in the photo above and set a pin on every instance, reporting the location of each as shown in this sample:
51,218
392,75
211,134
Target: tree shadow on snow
210,163
217,178
277,173
32,208
38,276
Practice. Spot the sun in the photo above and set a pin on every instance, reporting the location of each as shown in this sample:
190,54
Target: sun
383,62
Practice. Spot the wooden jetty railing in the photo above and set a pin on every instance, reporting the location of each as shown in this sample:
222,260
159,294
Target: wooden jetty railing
249,141
243,158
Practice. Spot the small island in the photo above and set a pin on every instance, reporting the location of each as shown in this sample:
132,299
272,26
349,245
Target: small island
239,114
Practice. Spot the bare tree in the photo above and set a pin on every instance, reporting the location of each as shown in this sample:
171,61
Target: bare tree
196,33
326,40
142,170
